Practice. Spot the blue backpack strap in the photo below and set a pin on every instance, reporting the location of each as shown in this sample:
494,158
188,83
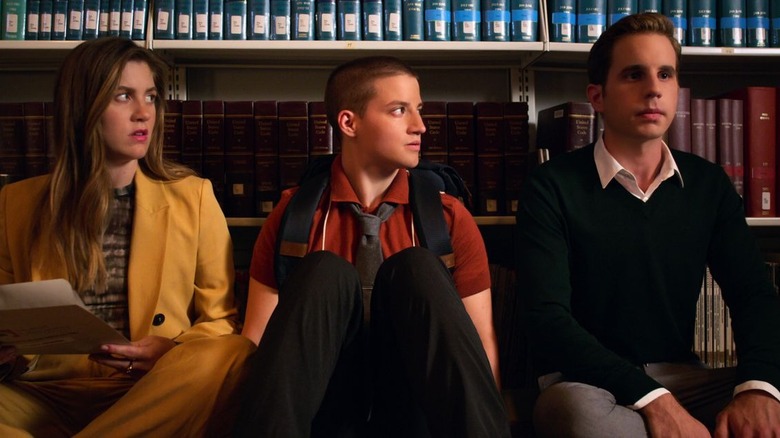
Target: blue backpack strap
428,213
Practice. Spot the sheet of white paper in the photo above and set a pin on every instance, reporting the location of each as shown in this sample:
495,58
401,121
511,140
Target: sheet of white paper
48,317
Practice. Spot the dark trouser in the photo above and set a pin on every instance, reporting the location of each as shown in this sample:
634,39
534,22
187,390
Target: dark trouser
428,373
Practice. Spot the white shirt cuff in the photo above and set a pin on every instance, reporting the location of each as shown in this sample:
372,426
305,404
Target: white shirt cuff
757,384
649,397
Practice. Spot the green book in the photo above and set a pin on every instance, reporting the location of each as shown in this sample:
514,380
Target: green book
14,19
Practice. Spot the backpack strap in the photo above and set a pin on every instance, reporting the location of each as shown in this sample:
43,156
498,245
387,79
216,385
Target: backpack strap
428,213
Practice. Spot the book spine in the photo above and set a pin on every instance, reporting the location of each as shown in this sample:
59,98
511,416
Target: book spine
565,127
140,11
524,20
291,168
14,15
757,23
698,127
326,20
75,28
711,130
163,19
563,20
266,127
60,17
460,128
495,20
466,20
702,18
516,137
293,128
349,20
235,20
183,19
437,16
302,14
679,132
434,139
239,185
591,20
91,19
33,20
200,12
34,130
266,184
103,18
126,19
216,13
372,20
725,137
465,166
172,130
774,23
654,6
192,134
490,184
280,20
45,20
738,145
392,11
214,146
320,131
114,17
12,140
617,9
259,11
732,23
239,127
413,22
677,12
489,128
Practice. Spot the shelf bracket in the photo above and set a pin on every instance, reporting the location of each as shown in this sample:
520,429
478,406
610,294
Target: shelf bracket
177,83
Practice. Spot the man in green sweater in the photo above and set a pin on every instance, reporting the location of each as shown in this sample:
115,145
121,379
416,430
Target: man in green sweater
613,241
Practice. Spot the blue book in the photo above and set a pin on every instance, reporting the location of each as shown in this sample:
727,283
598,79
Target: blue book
591,20
732,23
617,9
392,10
495,20
302,14
643,6
412,22
126,18
91,19
182,13
774,23
757,14
75,30
466,20
235,20
33,20
702,22
258,13
14,15
140,9
60,19
372,20
437,20
280,20
348,26
524,24
677,12
114,17
200,19
45,19
164,19
325,20
563,20
216,12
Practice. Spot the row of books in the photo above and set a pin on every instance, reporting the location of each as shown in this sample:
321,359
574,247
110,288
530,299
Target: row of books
371,20
704,23
251,150
73,19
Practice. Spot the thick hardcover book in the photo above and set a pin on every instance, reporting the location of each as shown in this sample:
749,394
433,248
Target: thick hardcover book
434,139
760,126
239,127
164,19
515,170
33,20
75,30
437,15
91,19
293,128
702,22
738,145
490,185
757,23
12,140
34,129
465,165
774,23
461,135
280,20
524,20
320,131
239,185
677,12
266,128
172,132
711,130
192,128
235,20
699,126
213,127
349,20
373,27
725,136
495,20
563,20
325,20
291,168
489,127
565,127
259,13
302,14
516,127
649,6
591,20
732,23
214,171
679,132
216,13
183,20
392,11
413,22
617,9
59,19
45,19
104,18
466,20
114,17
14,15
126,18
266,184
200,12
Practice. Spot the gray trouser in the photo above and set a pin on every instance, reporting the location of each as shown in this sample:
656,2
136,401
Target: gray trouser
572,409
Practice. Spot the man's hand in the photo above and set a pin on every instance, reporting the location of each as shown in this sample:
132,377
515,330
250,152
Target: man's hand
137,358
751,413
666,418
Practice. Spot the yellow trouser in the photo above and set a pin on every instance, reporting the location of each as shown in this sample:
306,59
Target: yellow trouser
190,392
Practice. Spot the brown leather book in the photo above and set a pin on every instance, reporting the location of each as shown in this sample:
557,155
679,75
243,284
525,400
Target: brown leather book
460,128
12,140
266,127
490,127
214,146
434,139
678,136
699,127
320,131
293,128
36,162
239,185
266,183
738,145
516,127
490,185
172,136
725,137
711,130
565,127
239,127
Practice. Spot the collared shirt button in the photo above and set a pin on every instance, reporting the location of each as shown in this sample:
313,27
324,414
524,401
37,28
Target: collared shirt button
158,319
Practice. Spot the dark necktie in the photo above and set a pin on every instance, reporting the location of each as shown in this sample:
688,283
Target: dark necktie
369,253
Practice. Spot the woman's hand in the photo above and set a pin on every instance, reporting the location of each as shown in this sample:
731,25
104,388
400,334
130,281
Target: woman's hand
137,358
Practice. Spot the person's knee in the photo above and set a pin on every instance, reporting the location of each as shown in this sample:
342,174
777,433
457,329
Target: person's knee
320,274
416,273
214,357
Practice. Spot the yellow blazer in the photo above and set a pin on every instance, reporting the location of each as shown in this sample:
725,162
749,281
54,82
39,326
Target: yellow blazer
180,273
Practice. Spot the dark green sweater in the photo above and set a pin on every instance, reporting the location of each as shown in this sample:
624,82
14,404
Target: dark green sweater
611,282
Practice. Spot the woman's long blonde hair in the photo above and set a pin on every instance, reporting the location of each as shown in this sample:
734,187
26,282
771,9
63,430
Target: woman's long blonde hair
75,209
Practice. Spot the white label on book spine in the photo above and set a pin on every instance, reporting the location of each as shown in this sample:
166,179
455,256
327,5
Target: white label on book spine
32,22
75,20
103,22
350,23
594,30
162,20
304,23
115,21
184,23
327,22
92,20
765,204
216,23
261,24
280,24
468,27
59,22
236,24
394,22
138,20
201,21
127,21
498,27
736,34
12,23
373,24
46,23
438,27
525,27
